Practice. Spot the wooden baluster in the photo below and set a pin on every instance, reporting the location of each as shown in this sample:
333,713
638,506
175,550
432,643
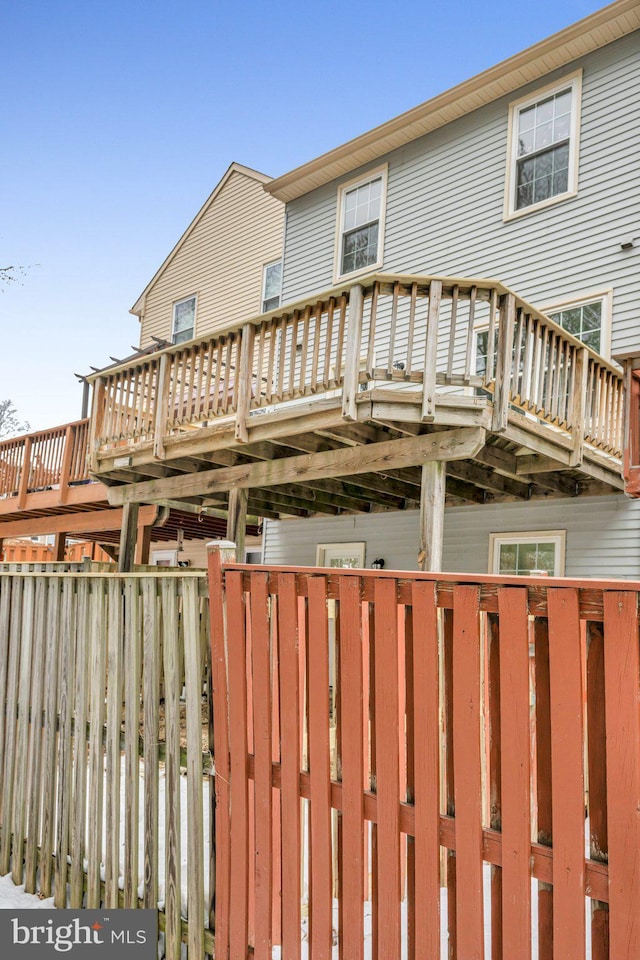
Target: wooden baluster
304,356
491,336
578,415
316,345
527,364
328,343
293,356
208,362
516,388
504,362
452,329
65,467
163,385
270,366
392,330
373,317
97,420
244,382
227,374
340,345
431,352
411,330
352,356
470,334
24,473
282,358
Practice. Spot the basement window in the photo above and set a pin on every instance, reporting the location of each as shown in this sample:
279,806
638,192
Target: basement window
529,553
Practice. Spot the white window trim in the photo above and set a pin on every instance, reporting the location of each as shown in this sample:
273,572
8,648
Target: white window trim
263,297
606,297
383,171
171,555
559,537
176,303
355,547
574,81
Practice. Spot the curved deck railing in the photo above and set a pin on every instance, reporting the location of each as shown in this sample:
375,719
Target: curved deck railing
442,334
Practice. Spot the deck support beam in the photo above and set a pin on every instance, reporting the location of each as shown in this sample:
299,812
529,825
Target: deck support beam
432,494
237,520
128,537
59,546
368,458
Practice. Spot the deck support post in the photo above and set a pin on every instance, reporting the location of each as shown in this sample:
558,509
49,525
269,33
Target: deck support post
431,352
59,546
143,542
351,382
237,519
245,385
128,537
432,492
504,363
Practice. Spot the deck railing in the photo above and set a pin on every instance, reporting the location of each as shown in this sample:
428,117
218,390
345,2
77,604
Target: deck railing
45,460
445,334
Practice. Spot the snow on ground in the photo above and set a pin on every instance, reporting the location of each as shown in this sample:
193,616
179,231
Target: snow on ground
15,898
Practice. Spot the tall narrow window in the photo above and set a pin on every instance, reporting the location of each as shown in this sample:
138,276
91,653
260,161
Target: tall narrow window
544,147
361,223
184,319
271,285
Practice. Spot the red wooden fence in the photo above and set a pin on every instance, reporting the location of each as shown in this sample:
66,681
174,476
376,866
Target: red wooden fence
430,759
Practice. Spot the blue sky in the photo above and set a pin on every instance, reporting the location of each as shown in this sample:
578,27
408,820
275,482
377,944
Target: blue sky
119,118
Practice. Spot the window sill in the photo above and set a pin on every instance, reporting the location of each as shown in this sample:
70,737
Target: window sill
509,215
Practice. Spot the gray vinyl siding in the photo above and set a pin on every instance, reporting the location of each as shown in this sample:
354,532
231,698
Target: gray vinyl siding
445,200
602,535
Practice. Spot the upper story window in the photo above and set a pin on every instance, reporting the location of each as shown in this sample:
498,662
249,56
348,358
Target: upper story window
360,233
587,319
543,147
271,285
184,320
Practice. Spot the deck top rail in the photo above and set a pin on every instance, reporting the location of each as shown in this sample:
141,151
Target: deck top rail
54,458
441,335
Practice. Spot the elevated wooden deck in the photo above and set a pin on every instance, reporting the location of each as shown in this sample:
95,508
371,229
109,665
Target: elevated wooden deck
332,404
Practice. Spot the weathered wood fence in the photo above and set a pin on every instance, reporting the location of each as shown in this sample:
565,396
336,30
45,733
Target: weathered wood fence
372,739
104,762
432,685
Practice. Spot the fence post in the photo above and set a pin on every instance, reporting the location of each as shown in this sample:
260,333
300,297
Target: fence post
504,361
352,355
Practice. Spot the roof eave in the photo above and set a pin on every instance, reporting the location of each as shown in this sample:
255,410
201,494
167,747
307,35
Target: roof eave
597,30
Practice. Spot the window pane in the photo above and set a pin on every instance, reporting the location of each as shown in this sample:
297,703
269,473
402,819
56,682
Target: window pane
183,320
360,248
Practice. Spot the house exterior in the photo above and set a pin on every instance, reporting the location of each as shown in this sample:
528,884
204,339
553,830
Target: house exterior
469,191
458,327
225,267
227,264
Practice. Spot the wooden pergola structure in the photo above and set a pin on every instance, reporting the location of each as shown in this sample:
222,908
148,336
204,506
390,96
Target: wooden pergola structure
373,396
